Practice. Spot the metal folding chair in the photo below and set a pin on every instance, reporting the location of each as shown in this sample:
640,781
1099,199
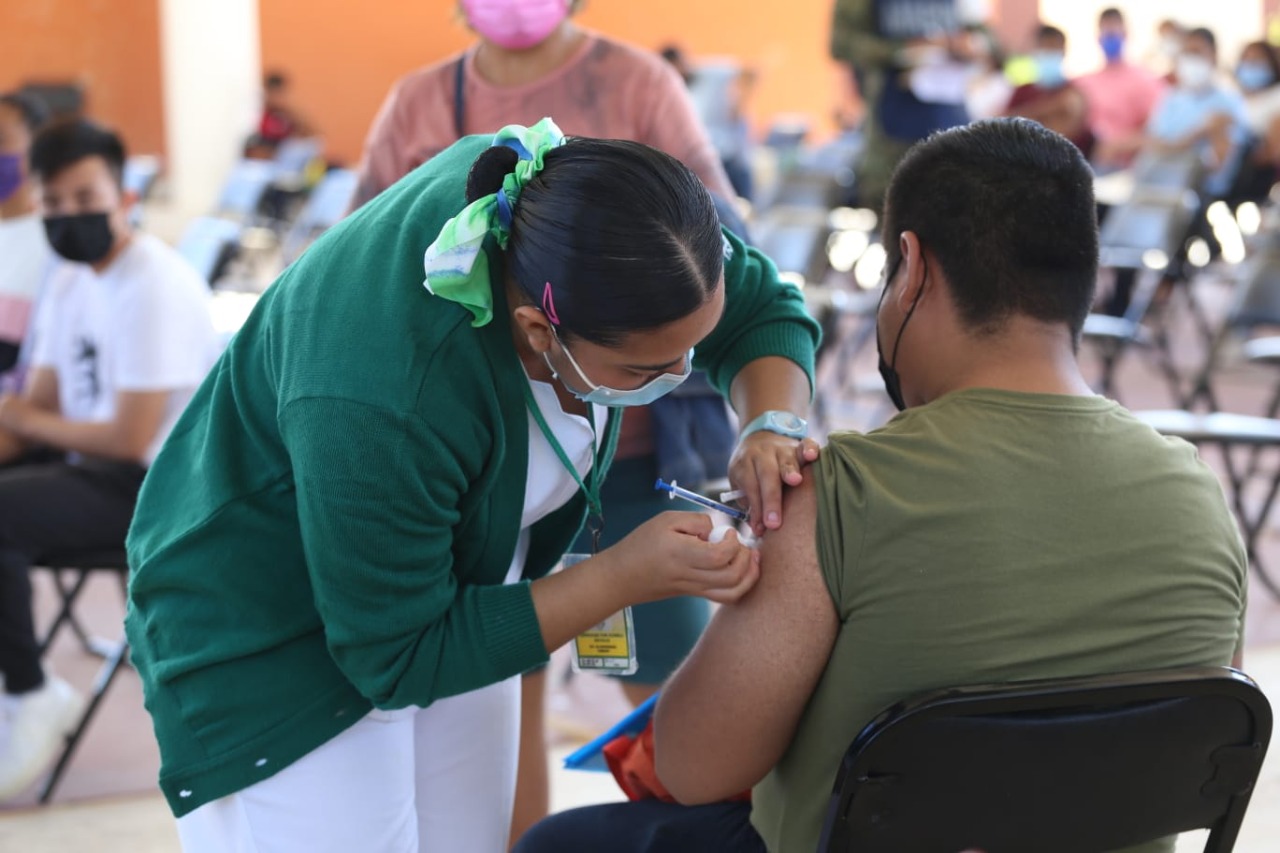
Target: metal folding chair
114,654
1146,235
1059,766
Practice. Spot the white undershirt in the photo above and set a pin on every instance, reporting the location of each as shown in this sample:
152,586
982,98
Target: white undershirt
548,485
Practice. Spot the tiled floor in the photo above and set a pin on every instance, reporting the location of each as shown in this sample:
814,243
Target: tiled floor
107,801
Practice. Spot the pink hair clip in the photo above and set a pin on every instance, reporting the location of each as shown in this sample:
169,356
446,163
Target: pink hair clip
549,305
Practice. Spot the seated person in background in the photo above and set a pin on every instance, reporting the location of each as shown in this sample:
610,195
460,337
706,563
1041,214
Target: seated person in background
122,338
279,120
1052,99
1201,114
24,254
1121,96
1258,74
1009,525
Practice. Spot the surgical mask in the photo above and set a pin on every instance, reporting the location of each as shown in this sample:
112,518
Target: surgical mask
84,238
515,24
888,369
1049,69
604,396
10,175
1253,76
1170,46
1194,72
1112,45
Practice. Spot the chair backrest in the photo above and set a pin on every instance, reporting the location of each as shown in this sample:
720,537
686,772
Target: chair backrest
207,244
795,239
1174,173
1256,299
244,188
1147,222
325,208
140,173
1056,766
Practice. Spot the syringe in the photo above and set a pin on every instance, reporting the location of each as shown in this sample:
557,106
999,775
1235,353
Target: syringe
674,491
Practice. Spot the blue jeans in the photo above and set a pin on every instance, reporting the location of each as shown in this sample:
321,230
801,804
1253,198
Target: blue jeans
647,826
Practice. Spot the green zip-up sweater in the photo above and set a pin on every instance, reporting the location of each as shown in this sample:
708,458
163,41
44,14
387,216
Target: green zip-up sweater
328,527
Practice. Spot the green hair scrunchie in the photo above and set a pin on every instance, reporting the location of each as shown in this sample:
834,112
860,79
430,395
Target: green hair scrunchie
456,266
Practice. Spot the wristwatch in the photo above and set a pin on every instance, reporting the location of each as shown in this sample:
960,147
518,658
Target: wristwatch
783,423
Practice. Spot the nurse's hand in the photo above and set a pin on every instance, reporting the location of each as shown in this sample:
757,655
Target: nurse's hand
762,464
669,555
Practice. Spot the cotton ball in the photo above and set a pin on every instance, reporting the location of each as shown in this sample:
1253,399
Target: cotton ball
722,530
718,533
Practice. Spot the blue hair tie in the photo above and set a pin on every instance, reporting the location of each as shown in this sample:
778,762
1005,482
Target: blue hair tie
504,210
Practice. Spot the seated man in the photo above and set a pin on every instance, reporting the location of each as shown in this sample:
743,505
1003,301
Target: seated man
122,338
24,254
1053,100
1009,525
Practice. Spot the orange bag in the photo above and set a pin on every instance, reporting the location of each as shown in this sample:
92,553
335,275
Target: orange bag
630,759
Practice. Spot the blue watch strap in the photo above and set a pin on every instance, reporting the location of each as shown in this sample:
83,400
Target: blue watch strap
782,423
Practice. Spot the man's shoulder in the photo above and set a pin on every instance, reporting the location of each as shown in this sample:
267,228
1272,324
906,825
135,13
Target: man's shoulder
155,268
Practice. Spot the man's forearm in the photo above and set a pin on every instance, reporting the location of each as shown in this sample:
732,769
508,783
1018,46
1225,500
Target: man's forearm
11,447
92,439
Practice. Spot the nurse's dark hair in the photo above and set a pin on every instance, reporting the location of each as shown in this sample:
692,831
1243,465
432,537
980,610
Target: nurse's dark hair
627,237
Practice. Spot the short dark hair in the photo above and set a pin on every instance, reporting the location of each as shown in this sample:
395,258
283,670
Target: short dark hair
1111,13
66,143
1204,34
626,236
1047,32
33,111
1007,209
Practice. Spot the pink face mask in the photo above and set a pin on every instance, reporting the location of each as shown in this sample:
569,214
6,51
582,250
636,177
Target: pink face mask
515,24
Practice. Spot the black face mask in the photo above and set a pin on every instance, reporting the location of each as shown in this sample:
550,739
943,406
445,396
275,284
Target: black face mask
892,382
85,238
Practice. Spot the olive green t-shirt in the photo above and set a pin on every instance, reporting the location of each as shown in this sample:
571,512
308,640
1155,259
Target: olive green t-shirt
993,536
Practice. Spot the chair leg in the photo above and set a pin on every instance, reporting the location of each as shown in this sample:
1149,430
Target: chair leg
1251,526
106,674
65,613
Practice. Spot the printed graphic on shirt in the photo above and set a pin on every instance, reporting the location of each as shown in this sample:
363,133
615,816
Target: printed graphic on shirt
86,375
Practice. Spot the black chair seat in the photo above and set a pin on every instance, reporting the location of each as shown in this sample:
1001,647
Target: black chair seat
1103,327
1218,427
109,559
1263,350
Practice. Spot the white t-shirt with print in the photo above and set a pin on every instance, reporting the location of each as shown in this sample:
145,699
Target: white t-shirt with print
141,325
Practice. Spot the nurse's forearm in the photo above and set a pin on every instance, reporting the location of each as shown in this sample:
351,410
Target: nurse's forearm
770,383
579,596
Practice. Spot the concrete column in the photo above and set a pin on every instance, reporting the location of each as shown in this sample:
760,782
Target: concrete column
211,60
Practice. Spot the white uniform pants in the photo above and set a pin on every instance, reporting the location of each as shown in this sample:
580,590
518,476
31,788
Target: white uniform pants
434,780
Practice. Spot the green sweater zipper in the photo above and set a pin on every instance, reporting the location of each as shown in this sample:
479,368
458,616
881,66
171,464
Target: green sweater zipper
328,527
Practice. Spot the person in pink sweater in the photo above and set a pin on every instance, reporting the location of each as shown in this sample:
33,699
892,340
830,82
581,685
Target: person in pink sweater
532,60
1121,96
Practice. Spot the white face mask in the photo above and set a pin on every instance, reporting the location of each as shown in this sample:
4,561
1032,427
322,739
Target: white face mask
605,396
1193,72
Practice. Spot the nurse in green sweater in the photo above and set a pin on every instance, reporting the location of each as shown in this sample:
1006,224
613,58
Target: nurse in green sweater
340,558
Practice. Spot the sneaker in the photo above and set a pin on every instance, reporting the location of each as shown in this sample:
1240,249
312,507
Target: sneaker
38,723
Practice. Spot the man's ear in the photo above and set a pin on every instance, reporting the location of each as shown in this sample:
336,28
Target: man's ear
916,269
535,327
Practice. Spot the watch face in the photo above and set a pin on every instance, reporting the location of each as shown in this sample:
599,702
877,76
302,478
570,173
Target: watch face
787,421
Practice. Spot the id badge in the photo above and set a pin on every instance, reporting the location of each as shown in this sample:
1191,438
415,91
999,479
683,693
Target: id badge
610,646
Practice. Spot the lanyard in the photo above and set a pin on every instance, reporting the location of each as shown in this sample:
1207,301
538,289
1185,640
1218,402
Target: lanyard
595,517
